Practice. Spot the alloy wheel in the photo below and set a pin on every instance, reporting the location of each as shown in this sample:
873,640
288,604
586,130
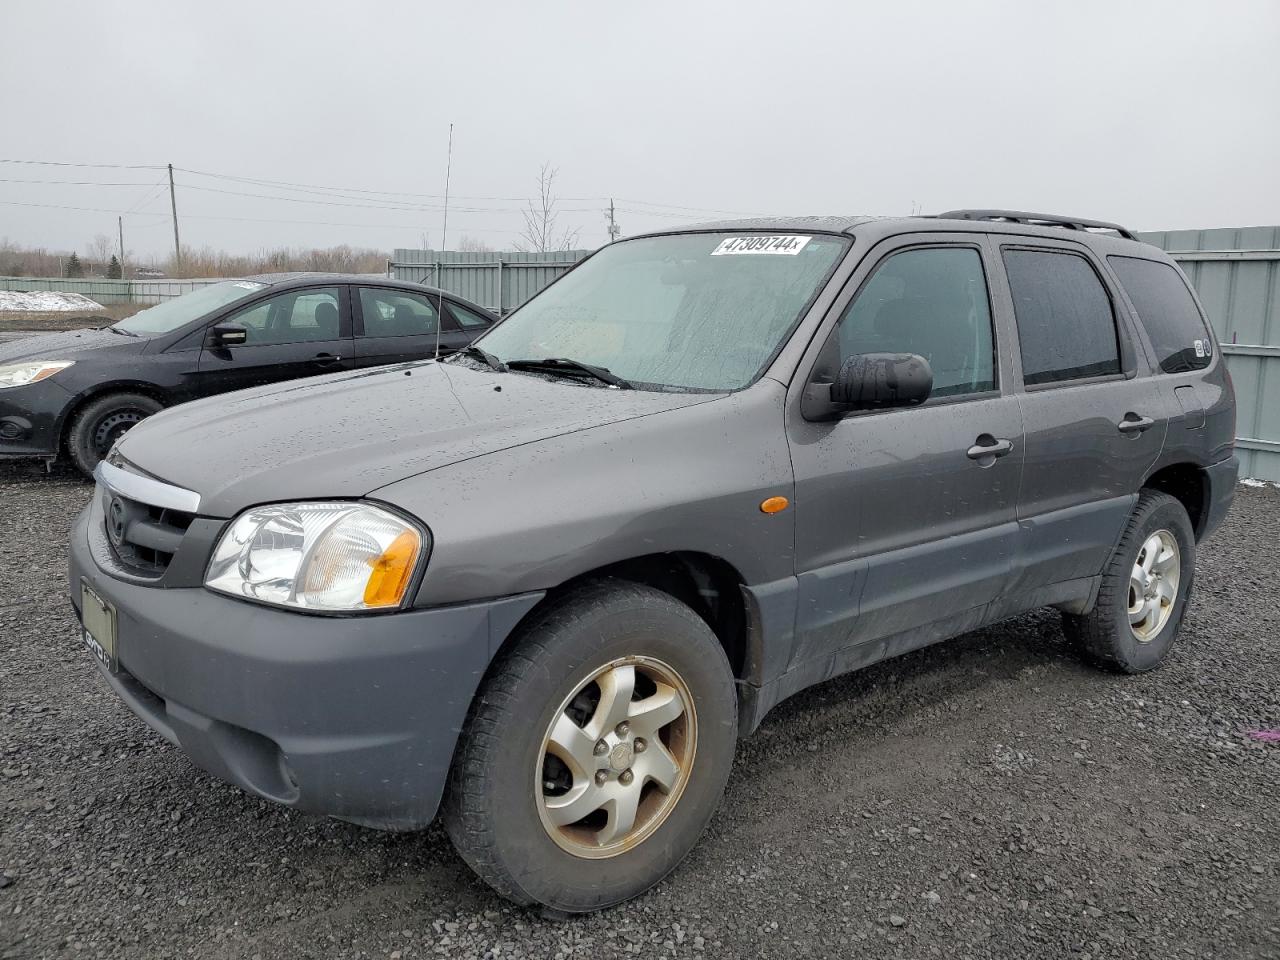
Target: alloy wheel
616,757
1153,585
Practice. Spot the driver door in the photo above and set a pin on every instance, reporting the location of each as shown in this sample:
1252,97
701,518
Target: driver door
902,519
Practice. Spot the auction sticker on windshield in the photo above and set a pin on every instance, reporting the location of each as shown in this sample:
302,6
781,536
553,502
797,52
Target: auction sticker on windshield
781,246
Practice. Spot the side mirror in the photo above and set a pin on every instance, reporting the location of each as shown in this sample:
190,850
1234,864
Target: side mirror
227,335
871,381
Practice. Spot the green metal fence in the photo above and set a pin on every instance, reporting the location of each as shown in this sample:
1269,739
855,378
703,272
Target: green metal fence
499,281
108,291
1236,274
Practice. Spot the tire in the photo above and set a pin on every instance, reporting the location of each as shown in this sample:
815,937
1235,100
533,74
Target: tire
502,784
1108,634
102,421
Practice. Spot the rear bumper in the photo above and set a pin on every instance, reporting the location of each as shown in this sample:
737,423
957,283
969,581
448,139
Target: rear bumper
1222,477
351,717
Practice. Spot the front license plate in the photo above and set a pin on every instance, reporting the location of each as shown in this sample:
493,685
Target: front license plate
99,626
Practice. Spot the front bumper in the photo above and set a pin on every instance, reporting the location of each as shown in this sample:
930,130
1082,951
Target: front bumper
30,417
1223,477
353,717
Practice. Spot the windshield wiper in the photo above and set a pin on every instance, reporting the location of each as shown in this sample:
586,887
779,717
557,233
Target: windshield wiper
116,330
566,365
473,351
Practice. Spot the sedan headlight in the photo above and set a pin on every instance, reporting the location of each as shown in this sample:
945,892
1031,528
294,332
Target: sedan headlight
318,556
20,374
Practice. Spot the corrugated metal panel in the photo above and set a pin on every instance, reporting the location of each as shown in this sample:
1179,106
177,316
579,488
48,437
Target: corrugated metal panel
500,281
1236,273
108,291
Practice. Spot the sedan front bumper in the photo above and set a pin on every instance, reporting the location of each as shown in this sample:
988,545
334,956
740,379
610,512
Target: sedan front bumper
353,717
30,417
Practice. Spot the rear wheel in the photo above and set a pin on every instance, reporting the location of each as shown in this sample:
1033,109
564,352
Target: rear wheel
596,751
97,425
1144,591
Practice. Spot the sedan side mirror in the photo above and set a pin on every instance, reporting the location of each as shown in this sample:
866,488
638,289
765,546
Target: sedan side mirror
871,381
228,335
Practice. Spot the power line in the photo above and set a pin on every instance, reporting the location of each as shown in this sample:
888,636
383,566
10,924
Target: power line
84,183
99,166
310,187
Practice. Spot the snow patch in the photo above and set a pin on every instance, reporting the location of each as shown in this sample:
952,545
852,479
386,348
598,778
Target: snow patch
1251,482
45,301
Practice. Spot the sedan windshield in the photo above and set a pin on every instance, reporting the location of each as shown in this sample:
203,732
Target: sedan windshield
703,311
171,314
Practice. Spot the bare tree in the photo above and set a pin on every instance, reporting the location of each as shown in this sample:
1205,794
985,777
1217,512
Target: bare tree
472,245
100,251
540,233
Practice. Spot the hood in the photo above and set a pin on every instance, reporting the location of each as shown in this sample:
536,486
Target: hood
346,435
70,345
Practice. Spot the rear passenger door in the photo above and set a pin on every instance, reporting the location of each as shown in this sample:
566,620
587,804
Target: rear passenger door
299,333
1094,421
396,325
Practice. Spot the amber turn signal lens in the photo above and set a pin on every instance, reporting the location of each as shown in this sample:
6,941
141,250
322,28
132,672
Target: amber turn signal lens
391,571
774,505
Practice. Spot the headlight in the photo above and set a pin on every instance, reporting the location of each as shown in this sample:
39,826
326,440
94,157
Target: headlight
318,556
18,374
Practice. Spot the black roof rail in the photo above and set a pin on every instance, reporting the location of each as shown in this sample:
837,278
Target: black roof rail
1037,219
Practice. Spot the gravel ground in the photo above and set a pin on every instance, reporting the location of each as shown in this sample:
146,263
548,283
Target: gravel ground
990,797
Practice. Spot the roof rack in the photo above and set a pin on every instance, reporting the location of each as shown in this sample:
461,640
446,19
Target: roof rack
1037,219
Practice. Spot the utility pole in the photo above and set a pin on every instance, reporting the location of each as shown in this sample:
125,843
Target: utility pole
173,205
120,226
614,229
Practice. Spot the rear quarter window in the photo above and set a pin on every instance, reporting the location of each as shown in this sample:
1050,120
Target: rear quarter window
1167,311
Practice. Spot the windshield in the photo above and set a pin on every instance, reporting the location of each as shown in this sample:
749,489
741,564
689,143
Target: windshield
699,311
172,314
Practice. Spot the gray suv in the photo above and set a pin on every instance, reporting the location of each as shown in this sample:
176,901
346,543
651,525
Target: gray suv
544,585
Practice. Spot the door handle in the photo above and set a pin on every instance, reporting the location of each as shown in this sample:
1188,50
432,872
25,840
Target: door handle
1132,423
989,446
324,359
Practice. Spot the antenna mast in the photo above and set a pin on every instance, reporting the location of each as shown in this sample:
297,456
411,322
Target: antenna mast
444,241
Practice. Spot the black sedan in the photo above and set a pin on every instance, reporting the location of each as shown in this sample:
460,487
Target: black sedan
80,391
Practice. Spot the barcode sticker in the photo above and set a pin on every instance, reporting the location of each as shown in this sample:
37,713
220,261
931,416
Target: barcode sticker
786,246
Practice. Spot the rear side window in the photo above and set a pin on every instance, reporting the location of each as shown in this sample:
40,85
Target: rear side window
1066,327
468,320
388,312
1168,312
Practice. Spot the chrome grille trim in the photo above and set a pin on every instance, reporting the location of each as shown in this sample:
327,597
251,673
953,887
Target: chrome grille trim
146,490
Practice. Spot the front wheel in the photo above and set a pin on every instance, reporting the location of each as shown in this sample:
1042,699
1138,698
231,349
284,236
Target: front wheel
103,421
596,751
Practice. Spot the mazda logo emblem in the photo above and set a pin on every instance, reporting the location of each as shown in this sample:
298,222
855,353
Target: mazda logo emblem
115,521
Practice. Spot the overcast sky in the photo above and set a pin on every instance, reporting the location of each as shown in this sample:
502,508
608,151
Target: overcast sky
1155,114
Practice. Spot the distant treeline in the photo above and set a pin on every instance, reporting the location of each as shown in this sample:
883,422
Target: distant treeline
20,261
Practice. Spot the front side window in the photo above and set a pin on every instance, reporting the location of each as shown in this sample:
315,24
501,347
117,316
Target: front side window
396,313
169,315
300,316
703,311
1066,327
932,302
1167,311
